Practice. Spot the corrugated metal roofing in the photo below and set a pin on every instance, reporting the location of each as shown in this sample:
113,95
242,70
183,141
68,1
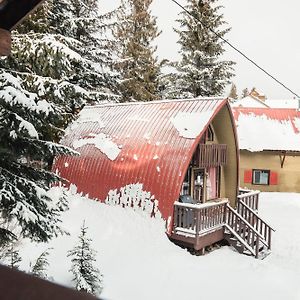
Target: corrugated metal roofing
268,128
151,150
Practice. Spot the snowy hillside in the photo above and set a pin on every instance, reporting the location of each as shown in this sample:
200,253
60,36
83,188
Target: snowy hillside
139,262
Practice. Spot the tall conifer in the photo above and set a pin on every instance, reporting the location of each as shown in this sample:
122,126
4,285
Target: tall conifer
58,64
201,71
137,64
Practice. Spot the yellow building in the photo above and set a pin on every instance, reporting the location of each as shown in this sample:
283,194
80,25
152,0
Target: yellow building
269,142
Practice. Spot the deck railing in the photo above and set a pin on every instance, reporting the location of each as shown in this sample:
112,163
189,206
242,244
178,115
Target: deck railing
197,219
212,155
260,225
250,198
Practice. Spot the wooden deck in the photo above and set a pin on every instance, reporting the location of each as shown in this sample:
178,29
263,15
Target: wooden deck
200,225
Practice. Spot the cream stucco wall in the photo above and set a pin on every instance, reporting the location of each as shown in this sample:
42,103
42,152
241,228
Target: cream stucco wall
224,130
288,176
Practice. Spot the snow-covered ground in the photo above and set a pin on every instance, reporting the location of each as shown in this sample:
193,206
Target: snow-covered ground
139,262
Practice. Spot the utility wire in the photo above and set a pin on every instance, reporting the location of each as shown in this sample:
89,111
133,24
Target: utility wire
236,49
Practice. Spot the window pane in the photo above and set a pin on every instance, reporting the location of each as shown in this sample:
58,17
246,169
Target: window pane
256,177
264,177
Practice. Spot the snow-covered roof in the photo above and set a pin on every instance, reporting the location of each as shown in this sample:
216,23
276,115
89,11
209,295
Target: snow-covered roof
249,101
283,103
146,143
268,129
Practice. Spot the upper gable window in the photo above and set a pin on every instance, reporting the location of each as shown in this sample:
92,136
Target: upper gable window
209,134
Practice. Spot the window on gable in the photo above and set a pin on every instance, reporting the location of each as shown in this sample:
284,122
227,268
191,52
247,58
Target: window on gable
261,177
209,134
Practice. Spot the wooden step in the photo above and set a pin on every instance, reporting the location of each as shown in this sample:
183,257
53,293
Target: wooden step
263,251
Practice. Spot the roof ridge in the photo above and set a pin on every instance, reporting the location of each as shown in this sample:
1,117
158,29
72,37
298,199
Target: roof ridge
156,102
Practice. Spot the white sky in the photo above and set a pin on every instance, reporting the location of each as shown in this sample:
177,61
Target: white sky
265,30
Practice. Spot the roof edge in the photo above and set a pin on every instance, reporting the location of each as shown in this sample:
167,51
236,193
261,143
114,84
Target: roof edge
156,101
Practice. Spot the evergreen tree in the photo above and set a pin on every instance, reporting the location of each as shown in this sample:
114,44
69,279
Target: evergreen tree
58,64
39,269
86,276
137,64
90,36
201,72
233,92
25,125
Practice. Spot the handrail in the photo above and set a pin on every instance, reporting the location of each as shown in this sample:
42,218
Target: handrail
244,220
244,229
200,205
254,213
243,191
250,198
260,225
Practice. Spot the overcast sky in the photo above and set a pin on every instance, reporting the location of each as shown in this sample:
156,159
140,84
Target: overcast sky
268,31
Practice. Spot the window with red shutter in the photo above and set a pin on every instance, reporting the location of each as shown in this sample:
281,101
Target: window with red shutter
273,178
248,176
260,177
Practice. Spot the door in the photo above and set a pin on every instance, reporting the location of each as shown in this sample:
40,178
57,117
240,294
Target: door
198,184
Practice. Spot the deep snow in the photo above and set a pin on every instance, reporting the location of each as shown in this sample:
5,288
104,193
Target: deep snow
139,262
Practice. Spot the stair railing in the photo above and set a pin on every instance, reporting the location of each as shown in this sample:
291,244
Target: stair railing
243,231
249,197
260,225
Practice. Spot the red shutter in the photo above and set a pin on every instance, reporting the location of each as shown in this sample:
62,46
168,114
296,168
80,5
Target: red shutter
273,178
248,176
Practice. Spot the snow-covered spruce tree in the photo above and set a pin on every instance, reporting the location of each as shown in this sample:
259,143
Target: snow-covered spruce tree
39,269
201,72
45,81
137,63
86,276
89,35
26,151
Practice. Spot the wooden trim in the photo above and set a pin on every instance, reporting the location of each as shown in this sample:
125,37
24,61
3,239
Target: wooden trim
282,158
5,42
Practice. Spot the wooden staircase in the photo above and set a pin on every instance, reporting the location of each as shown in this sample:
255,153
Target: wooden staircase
197,226
245,230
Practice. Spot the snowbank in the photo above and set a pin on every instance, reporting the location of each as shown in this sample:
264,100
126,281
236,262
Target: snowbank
139,262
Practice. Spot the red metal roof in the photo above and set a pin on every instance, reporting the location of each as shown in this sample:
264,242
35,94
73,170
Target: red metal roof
152,152
284,123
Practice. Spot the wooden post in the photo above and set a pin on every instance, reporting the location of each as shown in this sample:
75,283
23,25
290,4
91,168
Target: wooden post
5,42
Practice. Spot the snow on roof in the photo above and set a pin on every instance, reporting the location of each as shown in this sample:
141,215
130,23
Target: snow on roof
189,124
249,101
268,129
283,103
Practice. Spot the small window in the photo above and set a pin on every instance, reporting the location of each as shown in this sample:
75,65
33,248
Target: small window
210,134
261,177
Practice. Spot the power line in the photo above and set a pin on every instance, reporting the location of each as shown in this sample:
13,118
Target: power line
236,49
